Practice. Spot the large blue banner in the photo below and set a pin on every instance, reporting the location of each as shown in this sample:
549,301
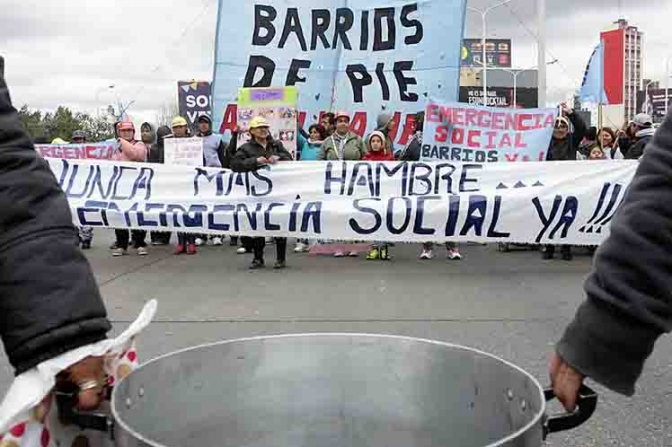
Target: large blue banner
365,56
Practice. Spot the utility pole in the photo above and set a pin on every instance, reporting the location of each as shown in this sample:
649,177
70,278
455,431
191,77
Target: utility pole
541,56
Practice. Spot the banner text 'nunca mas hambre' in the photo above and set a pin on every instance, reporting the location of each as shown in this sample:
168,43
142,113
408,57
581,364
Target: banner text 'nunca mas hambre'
559,202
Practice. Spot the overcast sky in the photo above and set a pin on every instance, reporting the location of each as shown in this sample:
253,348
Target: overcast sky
66,52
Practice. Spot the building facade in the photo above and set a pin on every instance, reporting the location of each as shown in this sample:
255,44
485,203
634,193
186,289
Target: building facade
623,66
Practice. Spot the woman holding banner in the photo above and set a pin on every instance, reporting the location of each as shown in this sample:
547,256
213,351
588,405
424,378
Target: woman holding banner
343,145
564,146
260,151
129,150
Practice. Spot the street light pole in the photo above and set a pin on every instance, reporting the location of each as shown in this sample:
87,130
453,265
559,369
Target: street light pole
101,90
484,15
667,82
541,55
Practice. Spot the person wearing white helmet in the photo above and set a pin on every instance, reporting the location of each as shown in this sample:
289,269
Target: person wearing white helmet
342,144
262,150
642,126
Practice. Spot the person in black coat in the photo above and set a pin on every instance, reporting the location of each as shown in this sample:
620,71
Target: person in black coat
629,291
564,146
642,127
49,299
413,149
260,151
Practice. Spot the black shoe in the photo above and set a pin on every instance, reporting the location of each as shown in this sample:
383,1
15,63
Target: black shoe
86,245
279,265
567,256
114,246
257,264
546,255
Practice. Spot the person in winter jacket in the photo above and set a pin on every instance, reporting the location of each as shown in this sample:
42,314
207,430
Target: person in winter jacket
310,148
342,144
607,141
384,125
85,233
134,151
157,155
213,147
213,155
147,135
564,146
261,151
328,121
412,152
186,242
643,127
378,151
49,300
628,300
413,149
157,152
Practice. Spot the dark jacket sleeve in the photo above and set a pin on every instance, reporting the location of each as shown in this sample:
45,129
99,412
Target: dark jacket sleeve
283,153
580,130
629,292
412,152
637,149
244,160
230,150
49,300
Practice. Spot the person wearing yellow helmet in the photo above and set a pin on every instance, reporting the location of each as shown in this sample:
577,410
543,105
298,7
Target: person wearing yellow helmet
186,242
262,150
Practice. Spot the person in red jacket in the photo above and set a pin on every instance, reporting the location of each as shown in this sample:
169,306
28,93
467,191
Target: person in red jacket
378,150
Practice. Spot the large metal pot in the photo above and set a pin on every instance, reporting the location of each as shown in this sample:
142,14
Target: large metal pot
334,390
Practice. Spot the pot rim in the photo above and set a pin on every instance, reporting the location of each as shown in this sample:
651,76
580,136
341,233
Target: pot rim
121,424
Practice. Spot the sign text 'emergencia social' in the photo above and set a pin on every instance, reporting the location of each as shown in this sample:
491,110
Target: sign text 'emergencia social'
460,132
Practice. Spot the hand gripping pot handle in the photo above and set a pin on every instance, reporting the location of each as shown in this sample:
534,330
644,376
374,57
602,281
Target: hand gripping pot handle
586,404
69,415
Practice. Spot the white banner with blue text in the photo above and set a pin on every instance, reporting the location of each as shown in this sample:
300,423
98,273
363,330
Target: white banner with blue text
568,202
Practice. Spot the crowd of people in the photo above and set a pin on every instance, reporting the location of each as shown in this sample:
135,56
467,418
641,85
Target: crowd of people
332,139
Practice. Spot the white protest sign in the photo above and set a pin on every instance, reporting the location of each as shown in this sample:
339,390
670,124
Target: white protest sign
183,151
554,202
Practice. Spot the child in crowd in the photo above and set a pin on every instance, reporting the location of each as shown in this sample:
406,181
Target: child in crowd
596,153
379,150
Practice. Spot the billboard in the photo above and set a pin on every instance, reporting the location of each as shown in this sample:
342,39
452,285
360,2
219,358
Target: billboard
614,65
654,105
497,52
526,98
194,99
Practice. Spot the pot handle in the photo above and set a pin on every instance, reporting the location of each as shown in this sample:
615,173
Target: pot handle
585,406
69,415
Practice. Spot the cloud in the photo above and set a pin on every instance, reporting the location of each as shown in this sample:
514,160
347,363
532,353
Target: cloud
66,52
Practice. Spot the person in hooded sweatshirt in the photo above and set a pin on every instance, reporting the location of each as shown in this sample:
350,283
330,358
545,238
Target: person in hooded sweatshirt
385,124
642,126
564,146
157,155
213,155
379,150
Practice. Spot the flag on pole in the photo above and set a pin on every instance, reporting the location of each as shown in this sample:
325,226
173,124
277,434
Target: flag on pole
592,88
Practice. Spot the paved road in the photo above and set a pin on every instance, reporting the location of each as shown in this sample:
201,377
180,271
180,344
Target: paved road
512,305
